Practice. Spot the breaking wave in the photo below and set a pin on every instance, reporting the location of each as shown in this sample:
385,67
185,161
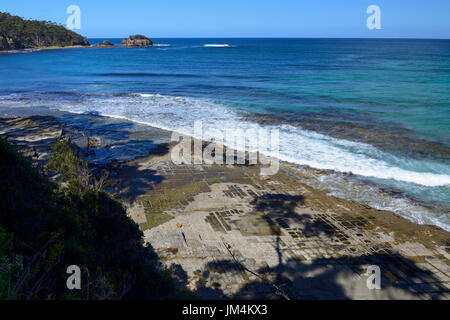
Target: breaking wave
296,145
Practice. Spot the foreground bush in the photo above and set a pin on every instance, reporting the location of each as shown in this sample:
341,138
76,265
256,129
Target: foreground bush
44,228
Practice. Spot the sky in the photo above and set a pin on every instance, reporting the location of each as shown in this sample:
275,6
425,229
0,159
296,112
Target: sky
244,18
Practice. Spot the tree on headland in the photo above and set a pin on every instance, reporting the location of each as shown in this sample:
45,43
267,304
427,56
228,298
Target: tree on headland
18,33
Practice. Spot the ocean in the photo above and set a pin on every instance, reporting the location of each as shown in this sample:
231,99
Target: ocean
374,113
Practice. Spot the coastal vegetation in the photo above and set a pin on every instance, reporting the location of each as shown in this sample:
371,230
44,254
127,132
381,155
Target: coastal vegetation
47,226
18,33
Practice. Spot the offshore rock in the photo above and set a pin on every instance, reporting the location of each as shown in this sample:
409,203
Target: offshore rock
137,41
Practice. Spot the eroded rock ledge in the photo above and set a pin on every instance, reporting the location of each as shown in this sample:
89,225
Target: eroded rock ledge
210,224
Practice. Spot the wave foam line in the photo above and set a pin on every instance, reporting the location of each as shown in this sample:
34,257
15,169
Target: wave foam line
297,146
217,45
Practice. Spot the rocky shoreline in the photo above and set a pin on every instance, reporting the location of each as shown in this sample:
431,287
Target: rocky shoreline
41,49
136,41
212,224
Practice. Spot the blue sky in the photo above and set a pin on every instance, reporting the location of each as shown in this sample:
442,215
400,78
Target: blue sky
244,18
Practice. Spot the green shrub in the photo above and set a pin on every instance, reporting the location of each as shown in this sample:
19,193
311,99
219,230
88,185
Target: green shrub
46,227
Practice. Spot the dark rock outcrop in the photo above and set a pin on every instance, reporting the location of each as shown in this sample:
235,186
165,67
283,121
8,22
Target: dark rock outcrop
5,43
79,41
137,41
105,44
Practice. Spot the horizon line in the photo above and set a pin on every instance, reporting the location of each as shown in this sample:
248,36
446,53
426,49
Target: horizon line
221,37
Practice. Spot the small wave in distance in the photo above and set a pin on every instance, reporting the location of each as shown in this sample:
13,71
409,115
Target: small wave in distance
217,45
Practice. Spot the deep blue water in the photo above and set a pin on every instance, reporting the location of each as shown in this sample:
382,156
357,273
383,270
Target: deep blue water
377,108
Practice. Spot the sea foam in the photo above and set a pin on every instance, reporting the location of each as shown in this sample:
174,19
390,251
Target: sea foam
296,145
217,45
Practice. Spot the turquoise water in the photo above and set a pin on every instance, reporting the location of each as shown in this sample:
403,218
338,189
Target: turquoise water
379,109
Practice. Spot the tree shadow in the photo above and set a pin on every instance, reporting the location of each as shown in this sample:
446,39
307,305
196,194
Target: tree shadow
345,277
331,279
135,182
281,208
323,278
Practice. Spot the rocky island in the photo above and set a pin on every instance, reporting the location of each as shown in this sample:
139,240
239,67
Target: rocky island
137,41
133,41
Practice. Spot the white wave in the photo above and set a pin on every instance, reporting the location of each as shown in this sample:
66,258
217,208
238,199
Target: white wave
341,187
145,95
324,152
296,145
217,45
